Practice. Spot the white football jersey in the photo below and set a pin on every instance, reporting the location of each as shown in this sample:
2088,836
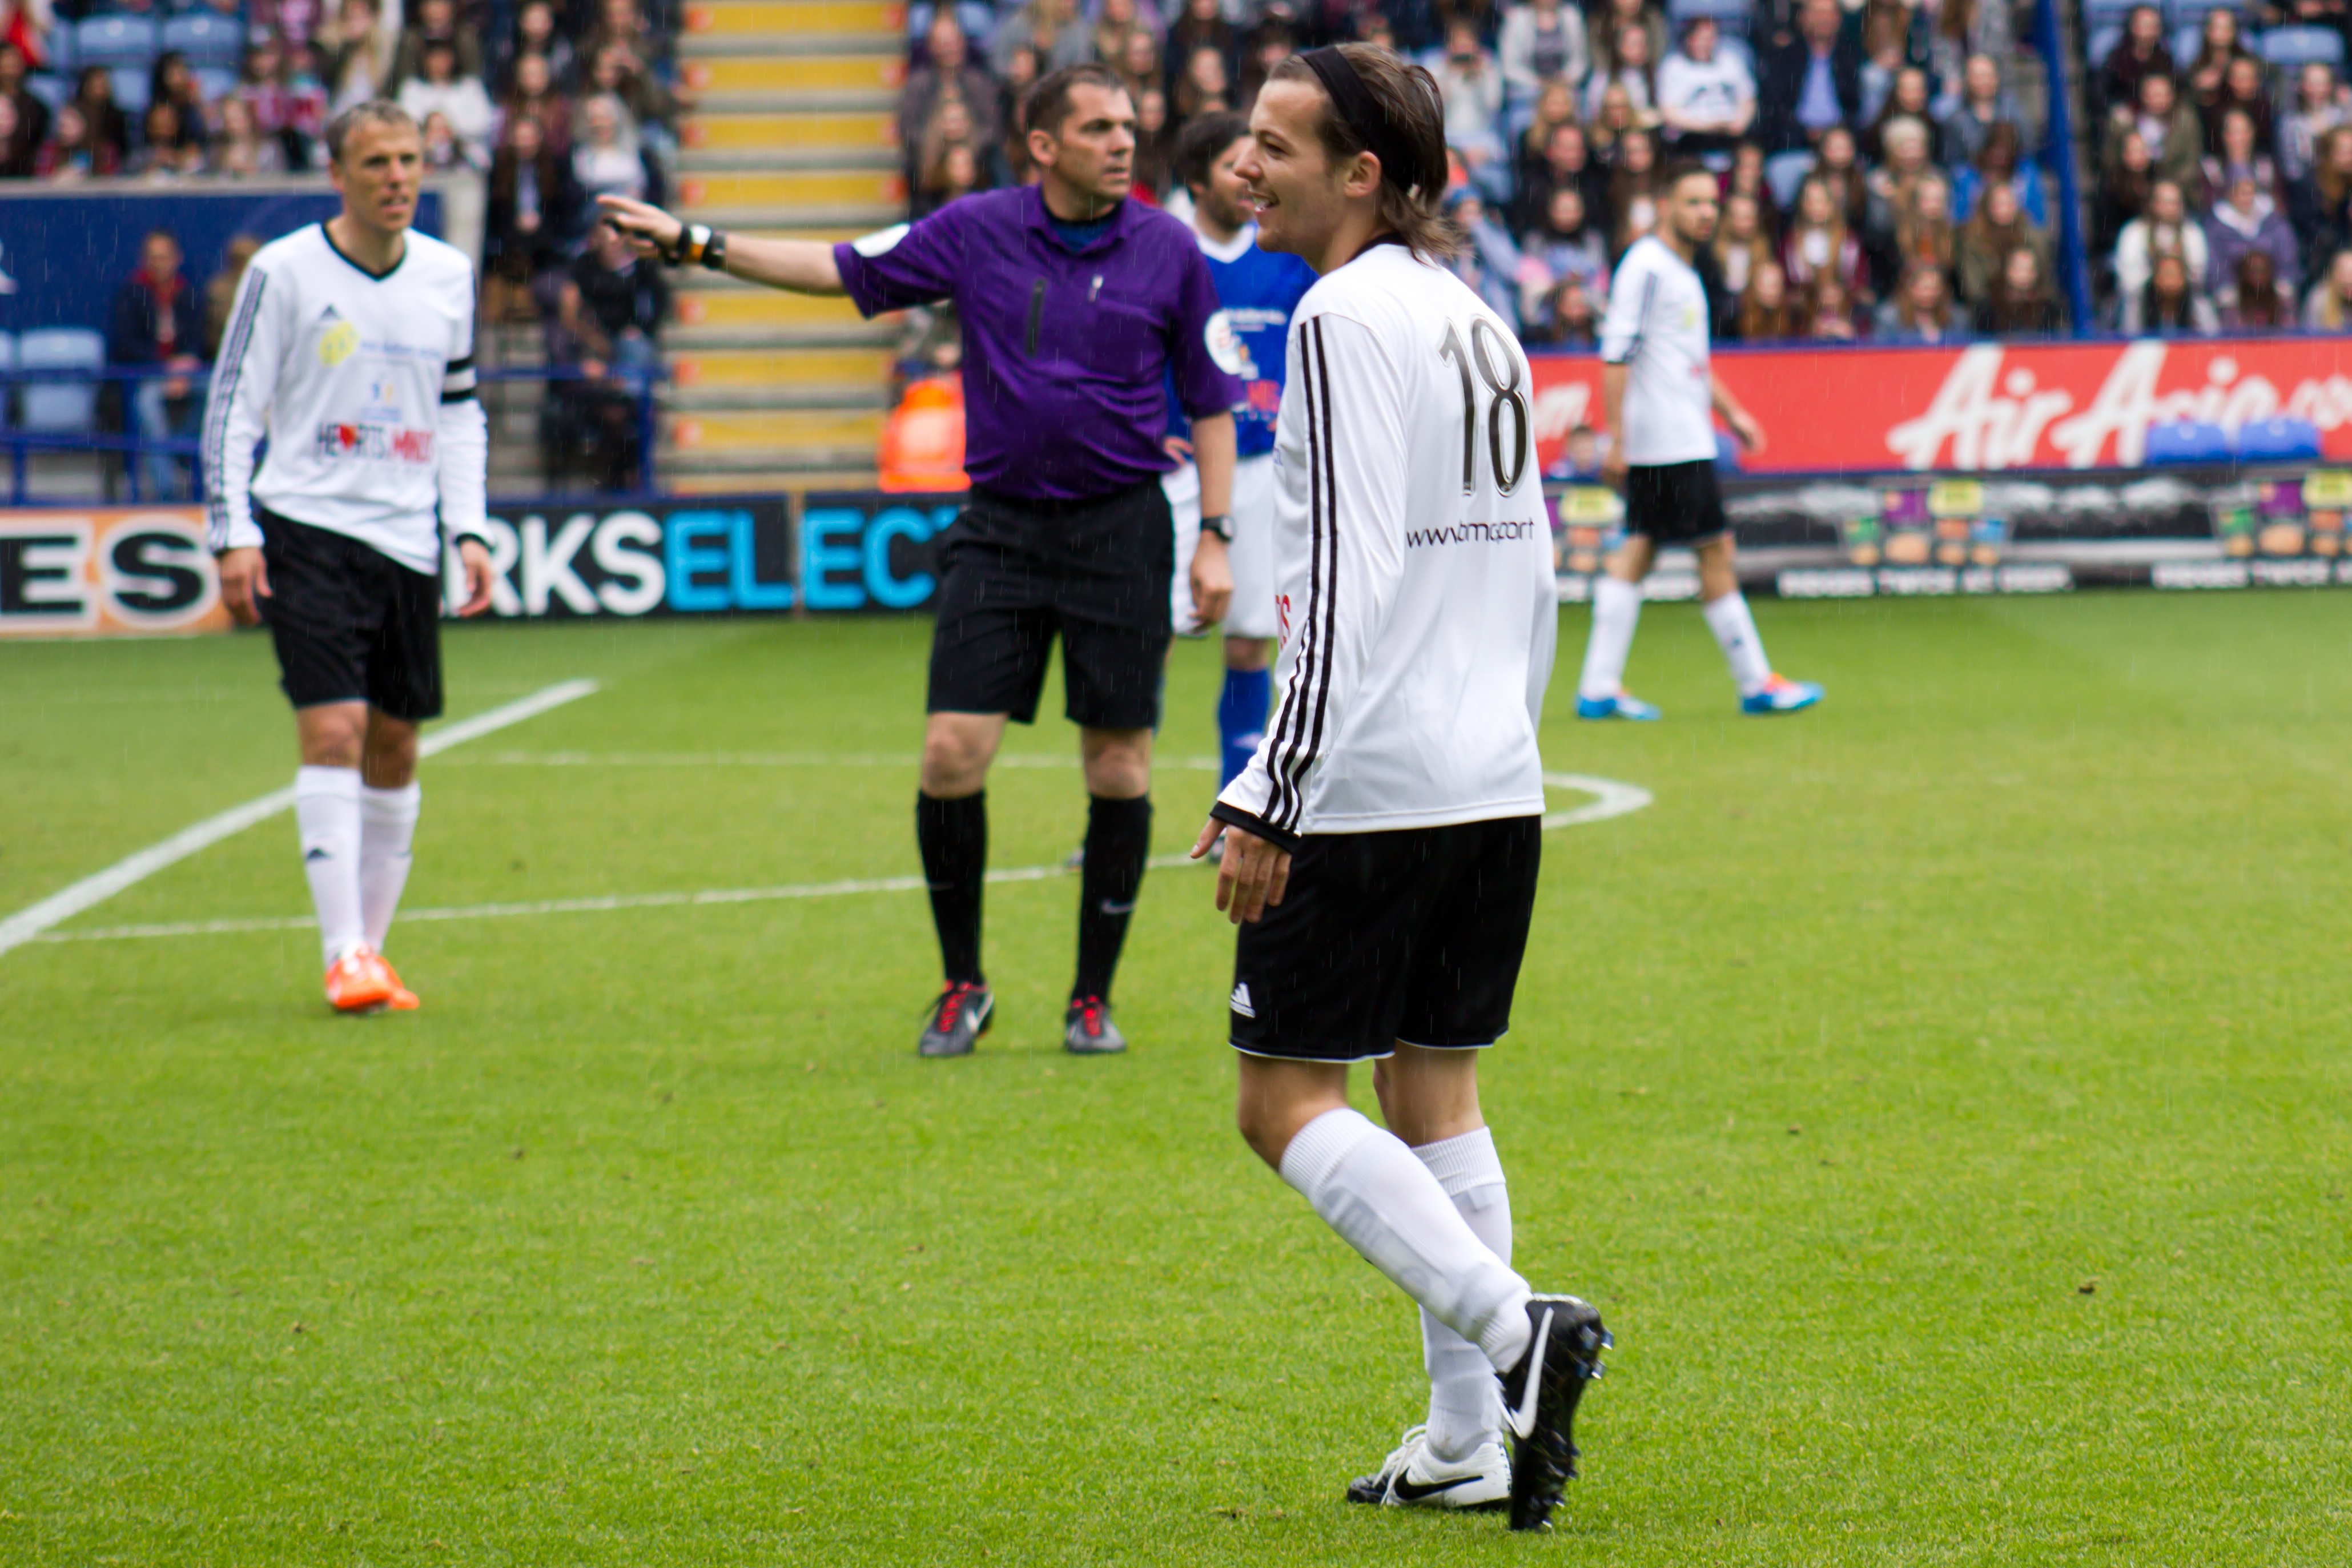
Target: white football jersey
1656,328
1412,561
364,386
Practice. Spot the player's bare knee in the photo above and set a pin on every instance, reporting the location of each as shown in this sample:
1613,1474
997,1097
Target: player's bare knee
333,734
955,759
388,754
1118,762
1246,654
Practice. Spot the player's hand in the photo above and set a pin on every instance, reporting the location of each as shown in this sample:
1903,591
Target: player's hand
478,576
1750,433
650,231
244,582
1212,582
1612,469
1252,875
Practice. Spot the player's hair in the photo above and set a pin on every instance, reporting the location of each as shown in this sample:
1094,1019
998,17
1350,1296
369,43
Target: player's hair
1204,142
1049,103
374,111
1682,169
1410,119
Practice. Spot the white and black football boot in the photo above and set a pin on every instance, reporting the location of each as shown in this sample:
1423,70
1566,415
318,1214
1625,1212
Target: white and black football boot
1539,1399
1412,1477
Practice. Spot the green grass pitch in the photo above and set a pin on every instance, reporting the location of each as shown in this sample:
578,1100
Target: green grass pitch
1944,1095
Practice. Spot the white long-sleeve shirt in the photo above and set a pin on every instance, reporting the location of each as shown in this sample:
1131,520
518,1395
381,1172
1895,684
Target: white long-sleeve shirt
1656,328
364,386
1413,564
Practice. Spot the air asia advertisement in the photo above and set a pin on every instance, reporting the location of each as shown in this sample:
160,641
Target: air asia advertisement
1990,406
107,572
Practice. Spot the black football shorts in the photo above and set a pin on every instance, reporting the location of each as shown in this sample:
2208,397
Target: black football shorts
1413,935
352,625
1017,572
1675,503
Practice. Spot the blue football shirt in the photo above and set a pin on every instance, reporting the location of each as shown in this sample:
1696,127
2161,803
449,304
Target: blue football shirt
1256,291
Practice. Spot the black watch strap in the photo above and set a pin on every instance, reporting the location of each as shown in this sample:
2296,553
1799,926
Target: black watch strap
1221,524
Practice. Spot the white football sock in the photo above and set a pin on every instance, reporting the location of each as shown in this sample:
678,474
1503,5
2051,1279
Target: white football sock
1367,1186
1616,610
327,814
1735,629
1465,1402
387,826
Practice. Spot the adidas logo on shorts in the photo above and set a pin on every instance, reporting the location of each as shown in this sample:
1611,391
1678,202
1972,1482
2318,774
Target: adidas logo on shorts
1240,1001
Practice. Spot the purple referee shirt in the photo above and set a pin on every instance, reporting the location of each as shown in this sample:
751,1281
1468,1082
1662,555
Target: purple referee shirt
1065,354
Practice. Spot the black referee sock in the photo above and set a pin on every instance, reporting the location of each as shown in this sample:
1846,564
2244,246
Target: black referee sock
953,836
1119,841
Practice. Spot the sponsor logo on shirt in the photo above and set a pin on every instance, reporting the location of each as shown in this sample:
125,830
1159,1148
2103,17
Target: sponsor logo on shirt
338,344
373,442
1225,345
1469,533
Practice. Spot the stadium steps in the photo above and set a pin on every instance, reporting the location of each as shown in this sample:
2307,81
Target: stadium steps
794,134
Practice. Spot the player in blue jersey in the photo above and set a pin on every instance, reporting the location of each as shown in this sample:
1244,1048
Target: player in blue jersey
1256,290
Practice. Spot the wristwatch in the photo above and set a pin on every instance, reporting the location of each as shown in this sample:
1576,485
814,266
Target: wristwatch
1221,525
698,243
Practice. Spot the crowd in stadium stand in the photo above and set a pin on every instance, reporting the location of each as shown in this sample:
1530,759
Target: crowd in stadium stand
1879,178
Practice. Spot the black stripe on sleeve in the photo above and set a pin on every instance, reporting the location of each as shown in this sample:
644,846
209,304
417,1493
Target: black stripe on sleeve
226,373
1331,595
456,365
1290,724
465,396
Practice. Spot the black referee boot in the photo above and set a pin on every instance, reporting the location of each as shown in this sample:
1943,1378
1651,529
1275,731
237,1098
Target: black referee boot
1087,1031
959,1018
1540,1400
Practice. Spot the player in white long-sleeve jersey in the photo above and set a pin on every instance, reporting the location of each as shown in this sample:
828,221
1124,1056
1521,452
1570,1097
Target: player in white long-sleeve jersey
1382,846
350,346
1660,395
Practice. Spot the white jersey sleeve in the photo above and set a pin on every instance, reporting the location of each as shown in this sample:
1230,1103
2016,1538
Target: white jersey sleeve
236,410
463,449
1353,403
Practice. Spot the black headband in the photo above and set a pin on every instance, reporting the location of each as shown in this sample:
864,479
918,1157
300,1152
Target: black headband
1402,163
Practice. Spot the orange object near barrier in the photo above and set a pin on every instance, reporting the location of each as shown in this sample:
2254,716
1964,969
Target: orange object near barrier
922,444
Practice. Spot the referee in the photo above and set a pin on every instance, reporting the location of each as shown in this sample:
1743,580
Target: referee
1079,307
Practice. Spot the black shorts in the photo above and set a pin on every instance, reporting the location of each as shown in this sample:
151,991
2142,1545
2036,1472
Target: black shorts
1413,935
352,625
1015,573
1675,503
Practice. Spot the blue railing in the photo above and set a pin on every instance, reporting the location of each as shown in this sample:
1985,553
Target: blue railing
2058,156
136,446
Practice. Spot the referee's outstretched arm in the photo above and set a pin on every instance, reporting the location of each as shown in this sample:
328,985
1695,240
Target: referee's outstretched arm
802,266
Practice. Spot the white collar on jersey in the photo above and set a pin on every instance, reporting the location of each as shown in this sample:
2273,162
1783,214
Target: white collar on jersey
1230,252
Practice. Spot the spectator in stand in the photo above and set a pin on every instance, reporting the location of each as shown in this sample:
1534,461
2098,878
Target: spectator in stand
280,114
1984,104
1203,26
1634,189
1921,311
1569,320
1819,244
109,127
609,159
1566,244
2245,90
1116,21
357,54
1554,105
1205,88
2140,51
69,155
2021,303
1837,165
1272,44
220,290
1911,99
1924,235
164,153
1542,46
1811,81
1891,185
2168,304
623,22
1471,83
535,33
1606,34
439,89
174,81
31,115
1630,69
297,22
947,64
534,207
2124,186
2000,162
1768,312
156,322
1053,27
1706,99
2329,308
1568,164
941,178
1155,147
1742,248
2171,129
2323,204
13,148
616,68
1617,118
2239,157
1996,227
1830,309
435,23
2257,303
2204,78
2164,230
608,318
30,25
241,151
531,95
2319,108
1138,64
1885,50
2245,220
1489,262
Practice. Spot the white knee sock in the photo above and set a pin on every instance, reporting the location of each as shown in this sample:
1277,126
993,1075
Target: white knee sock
327,814
1616,610
1465,1402
1367,1186
1735,629
387,826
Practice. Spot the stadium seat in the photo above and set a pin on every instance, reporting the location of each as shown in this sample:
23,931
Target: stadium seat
60,407
2187,441
131,91
2191,38
1784,176
979,22
2282,438
1726,11
125,43
2103,39
2289,47
62,51
215,82
207,38
52,91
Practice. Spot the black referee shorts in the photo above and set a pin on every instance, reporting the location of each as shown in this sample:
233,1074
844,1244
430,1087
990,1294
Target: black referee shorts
1413,935
350,623
1016,573
1675,503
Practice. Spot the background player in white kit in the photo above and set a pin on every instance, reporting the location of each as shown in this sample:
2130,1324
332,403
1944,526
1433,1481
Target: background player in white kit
352,347
1660,395
1382,847
1257,289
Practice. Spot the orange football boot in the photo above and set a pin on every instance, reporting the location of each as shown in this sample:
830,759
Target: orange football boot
360,982
403,1000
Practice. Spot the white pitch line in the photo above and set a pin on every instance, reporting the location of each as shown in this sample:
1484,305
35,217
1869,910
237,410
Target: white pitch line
32,924
1614,799
781,760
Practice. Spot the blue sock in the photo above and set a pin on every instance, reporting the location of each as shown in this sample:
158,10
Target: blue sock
1241,718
